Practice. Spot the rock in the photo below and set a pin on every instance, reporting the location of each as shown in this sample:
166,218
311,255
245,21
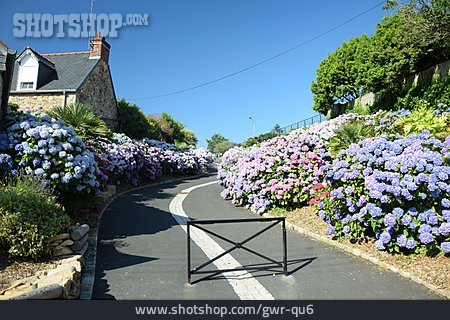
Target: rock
105,195
61,251
69,260
79,232
66,243
53,291
61,268
62,236
67,278
15,292
25,281
76,265
55,243
41,274
83,250
111,188
77,245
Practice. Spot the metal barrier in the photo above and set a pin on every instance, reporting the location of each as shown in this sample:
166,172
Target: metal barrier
236,245
304,123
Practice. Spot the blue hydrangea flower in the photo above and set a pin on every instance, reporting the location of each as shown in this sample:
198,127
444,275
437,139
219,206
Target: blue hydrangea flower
445,246
411,244
401,240
426,238
389,220
379,245
385,237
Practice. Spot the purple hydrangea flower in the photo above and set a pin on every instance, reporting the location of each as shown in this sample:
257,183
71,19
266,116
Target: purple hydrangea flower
411,244
389,220
426,238
401,240
445,246
385,237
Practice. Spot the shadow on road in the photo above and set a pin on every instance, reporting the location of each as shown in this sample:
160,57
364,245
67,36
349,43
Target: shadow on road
261,269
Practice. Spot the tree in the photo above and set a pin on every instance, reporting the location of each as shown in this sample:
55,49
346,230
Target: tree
277,129
170,129
339,77
428,21
382,62
218,144
154,130
133,121
189,137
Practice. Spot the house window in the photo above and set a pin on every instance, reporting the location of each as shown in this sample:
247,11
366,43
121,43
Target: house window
26,85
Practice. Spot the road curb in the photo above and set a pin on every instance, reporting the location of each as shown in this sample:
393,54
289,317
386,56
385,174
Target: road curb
88,275
356,252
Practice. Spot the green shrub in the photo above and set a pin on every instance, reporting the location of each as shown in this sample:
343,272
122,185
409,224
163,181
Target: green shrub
424,118
349,133
133,121
29,217
82,120
436,94
358,108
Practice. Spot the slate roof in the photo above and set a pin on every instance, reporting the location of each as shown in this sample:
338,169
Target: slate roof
71,69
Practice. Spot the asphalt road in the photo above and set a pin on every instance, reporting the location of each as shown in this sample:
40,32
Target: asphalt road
141,254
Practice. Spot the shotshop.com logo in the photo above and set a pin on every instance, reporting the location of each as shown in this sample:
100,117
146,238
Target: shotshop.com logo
74,25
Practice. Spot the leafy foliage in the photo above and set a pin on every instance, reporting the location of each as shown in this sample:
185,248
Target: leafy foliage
423,118
276,131
218,144
349,133
339,75
133,122
411,40
437,94
29,217
82,120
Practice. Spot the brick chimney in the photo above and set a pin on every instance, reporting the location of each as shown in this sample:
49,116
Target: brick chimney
99,48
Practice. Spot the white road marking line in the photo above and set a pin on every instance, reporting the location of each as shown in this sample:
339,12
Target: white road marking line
242,282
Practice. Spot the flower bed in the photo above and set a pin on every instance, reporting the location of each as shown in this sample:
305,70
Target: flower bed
398,190
282,172
42,146
37,144
393,188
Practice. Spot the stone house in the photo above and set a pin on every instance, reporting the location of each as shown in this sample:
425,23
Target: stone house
59,79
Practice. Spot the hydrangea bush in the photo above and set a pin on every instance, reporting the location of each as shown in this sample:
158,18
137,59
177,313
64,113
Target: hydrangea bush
136,161
397,190
42,146
282,172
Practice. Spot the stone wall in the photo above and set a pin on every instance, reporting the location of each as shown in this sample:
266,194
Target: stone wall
45,100
423,78
98,92
62,281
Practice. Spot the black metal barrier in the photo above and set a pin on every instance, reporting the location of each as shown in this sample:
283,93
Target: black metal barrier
236,245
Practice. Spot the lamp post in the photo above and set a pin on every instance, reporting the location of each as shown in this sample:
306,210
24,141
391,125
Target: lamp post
254,124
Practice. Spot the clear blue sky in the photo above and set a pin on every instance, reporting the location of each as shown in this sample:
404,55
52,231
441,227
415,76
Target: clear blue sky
189,42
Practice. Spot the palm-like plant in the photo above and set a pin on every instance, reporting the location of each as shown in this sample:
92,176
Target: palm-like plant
349,133
80,117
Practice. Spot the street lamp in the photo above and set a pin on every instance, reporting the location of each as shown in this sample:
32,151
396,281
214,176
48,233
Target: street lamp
254,124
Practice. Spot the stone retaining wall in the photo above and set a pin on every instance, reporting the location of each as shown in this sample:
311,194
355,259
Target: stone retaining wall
61,282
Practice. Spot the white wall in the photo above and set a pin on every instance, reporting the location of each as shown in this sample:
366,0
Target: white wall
28,71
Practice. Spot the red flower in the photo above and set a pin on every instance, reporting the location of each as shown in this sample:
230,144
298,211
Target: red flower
324,194
312,202
317,186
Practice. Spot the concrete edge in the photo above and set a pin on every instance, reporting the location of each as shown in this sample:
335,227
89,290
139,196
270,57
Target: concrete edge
88,274
356,252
